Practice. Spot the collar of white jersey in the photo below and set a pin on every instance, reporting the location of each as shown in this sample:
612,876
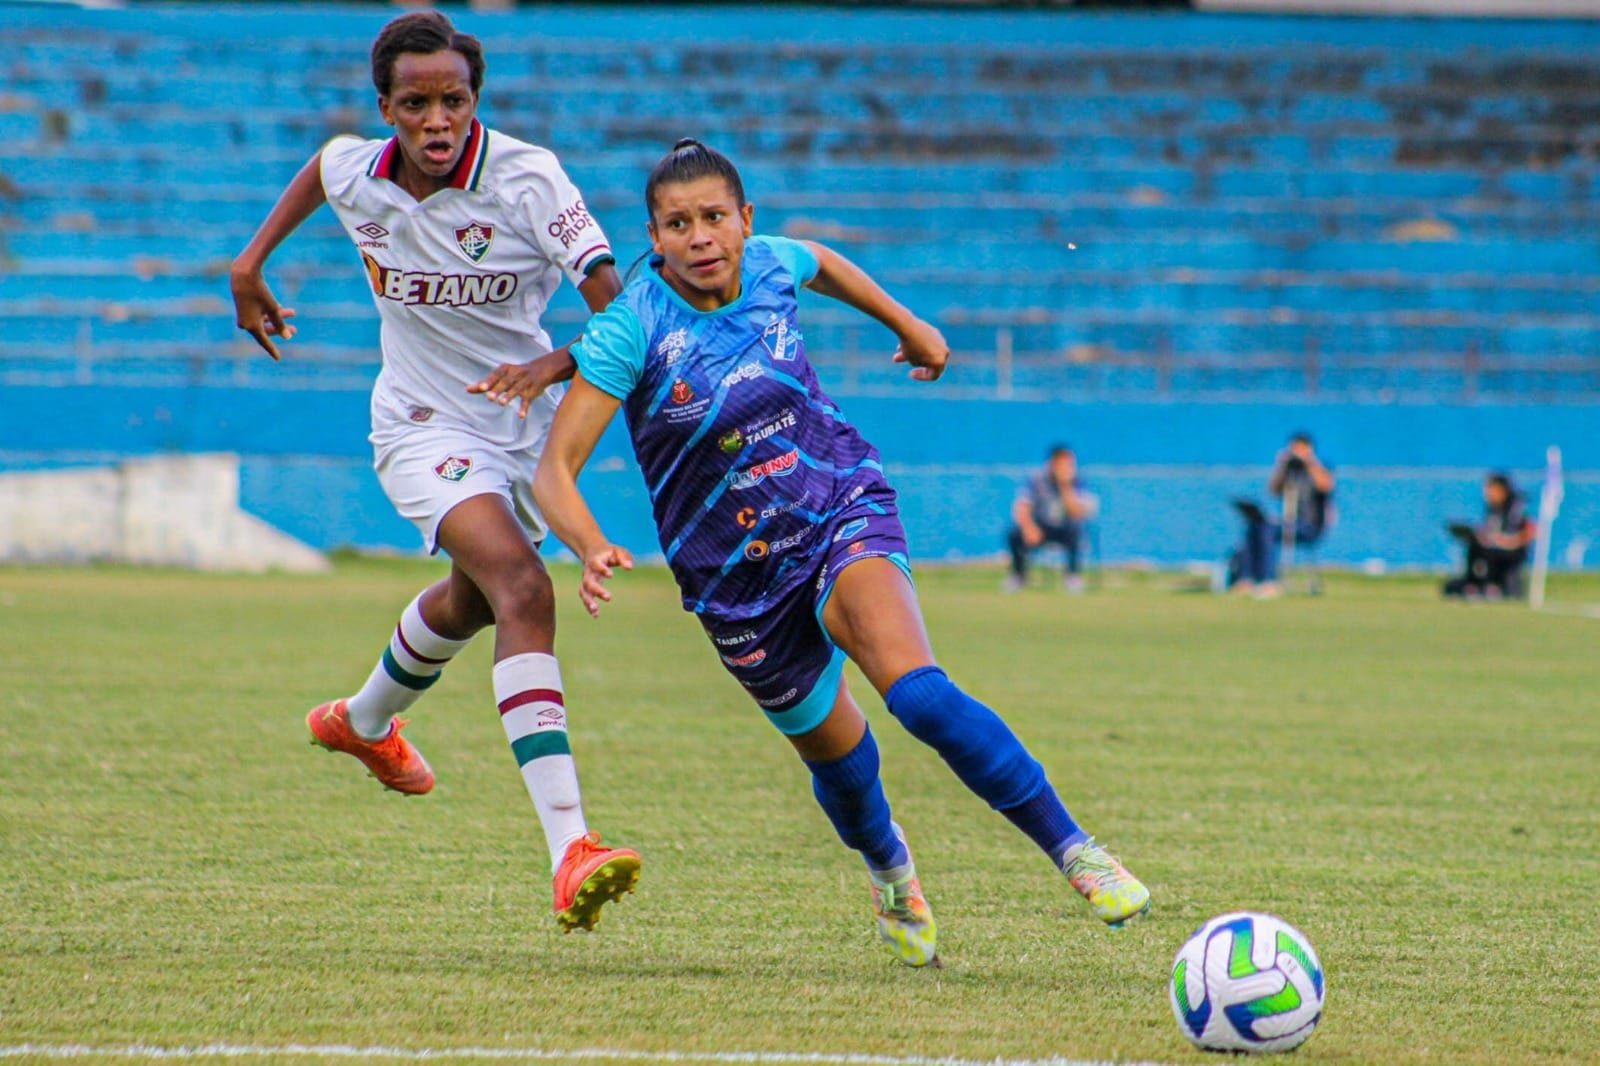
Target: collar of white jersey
469,168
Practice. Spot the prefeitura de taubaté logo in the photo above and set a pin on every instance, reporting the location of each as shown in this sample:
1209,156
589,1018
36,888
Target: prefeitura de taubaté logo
474,240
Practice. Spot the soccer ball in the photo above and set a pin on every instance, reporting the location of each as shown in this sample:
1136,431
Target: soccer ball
1247,982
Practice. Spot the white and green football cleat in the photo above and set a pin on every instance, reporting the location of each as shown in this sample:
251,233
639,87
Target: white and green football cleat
1115,894
905,922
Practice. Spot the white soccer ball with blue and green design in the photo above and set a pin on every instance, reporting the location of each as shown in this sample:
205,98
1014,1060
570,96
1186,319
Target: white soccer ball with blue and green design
1247,982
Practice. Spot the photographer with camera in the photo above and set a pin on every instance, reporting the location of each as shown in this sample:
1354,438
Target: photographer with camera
1304,484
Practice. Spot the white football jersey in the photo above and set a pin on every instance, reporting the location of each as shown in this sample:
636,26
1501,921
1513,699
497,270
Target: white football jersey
461,278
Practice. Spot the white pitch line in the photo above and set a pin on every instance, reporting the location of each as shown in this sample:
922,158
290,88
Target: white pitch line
346,1051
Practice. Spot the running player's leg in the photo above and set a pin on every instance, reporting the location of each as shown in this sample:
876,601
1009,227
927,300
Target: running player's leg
842,755
872,614
788,666
491,549
433,629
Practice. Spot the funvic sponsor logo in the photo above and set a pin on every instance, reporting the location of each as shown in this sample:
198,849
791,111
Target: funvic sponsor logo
474,239
454,468
747,659
778,466
438,290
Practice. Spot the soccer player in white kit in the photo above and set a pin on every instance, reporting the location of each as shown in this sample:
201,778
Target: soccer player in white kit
464,233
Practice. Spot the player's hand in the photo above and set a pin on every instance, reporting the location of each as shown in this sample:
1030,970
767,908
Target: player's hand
256,310
599,566
1033,536
517,381
925,348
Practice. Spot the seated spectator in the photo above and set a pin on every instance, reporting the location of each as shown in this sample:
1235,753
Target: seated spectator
1051,509
1497,547
1304,484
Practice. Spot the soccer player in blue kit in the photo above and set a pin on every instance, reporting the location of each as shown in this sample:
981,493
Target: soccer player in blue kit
780,529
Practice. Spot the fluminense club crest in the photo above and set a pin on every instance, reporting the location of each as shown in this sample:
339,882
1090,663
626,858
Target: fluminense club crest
454,468
474,240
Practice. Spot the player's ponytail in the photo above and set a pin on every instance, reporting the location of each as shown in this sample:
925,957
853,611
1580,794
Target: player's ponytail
691,160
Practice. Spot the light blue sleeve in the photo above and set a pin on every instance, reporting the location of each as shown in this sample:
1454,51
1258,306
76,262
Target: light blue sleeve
610,354
797,258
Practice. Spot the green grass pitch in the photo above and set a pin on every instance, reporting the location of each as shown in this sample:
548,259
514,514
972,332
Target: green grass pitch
1413,784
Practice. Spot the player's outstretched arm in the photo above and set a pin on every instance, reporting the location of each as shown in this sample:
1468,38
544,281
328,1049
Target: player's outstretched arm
921,344
256,309
579,422
527,381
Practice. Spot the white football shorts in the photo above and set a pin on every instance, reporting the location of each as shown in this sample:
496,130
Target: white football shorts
427,470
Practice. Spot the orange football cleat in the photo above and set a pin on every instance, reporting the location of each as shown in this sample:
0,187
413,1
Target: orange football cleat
590,876
394,761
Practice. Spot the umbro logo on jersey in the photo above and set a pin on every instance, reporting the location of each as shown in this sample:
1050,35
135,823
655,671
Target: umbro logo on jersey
373,234
454,468
474,240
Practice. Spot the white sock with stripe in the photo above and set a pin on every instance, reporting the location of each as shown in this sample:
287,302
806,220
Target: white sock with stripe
533,711
410,665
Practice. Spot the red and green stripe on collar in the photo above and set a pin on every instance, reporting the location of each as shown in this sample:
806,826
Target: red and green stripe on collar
468,170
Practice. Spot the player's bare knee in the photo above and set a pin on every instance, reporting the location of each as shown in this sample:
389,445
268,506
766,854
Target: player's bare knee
526,596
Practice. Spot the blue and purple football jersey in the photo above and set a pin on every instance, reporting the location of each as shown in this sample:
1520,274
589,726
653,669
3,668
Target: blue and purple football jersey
747,461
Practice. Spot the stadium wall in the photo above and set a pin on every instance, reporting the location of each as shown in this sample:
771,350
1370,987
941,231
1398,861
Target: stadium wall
1165,471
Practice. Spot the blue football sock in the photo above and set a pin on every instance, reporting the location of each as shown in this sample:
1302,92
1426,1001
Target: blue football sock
985,754
1047,823
851,795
